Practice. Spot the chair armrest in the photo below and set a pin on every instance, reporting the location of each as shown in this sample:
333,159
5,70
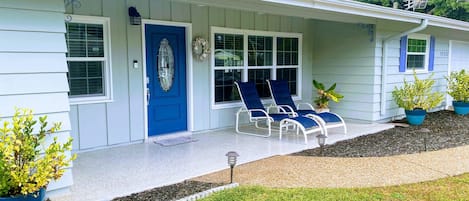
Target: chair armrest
279,108
309,106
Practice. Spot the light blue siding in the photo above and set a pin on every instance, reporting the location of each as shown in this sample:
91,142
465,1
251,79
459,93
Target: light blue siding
343,54
33,69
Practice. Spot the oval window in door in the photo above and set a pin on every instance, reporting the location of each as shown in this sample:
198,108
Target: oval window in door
165,65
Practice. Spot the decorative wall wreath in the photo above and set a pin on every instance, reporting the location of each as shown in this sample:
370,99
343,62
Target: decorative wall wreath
200,48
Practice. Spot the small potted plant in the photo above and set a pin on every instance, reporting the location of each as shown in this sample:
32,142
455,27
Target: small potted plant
458,88
324,95
27,163
416,98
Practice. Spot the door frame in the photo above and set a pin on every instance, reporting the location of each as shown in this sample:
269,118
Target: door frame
189,73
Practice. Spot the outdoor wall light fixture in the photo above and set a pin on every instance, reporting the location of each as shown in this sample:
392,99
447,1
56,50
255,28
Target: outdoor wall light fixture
232,156
134,16
321,141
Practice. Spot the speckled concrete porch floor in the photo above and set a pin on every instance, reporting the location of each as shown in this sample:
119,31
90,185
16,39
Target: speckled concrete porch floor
108,173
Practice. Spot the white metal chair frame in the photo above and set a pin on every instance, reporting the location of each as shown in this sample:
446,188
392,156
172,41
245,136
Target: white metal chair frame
308,106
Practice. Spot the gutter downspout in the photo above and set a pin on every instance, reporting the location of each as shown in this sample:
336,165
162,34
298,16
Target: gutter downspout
384,60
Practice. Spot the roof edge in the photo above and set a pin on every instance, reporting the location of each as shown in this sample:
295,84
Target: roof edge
371,10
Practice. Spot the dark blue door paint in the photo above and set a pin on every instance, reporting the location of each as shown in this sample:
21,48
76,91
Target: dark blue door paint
167,110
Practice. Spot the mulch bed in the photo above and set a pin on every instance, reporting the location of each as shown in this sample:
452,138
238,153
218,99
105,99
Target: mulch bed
440,130
171,192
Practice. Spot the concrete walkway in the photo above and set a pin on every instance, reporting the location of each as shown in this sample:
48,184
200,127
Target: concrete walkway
313,172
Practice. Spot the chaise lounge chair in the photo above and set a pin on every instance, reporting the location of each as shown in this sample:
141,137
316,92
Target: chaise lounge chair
282,97
257,113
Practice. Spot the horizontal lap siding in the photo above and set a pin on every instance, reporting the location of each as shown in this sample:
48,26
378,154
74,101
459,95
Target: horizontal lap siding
395,78
33,69
344,54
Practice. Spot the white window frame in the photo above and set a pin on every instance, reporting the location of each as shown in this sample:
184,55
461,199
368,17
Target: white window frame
107,74
427,53
246,67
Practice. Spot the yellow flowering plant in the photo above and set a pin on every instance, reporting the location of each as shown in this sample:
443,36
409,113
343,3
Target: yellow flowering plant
27,163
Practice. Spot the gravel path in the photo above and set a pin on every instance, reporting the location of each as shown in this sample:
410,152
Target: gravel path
441,130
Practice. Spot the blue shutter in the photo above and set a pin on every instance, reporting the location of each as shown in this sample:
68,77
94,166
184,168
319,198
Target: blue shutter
403,55
431,59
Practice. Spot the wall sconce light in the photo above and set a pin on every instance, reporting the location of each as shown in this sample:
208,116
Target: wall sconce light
134,16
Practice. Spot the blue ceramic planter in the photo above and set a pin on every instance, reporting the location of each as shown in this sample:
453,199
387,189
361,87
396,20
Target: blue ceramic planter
416,116
460,107
40,195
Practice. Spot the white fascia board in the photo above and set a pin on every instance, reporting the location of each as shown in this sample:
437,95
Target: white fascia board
371,10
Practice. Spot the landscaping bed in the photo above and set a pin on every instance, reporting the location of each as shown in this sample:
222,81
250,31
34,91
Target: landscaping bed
170,192
440,130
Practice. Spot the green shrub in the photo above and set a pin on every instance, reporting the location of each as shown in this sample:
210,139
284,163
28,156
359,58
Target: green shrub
417,94
458,85
26,163
324,95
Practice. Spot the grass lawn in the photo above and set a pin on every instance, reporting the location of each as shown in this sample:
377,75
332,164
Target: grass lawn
451,188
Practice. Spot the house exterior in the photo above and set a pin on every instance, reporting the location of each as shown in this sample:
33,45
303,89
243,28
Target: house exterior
83,63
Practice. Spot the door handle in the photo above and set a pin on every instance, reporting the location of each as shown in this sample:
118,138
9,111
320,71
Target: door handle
148,96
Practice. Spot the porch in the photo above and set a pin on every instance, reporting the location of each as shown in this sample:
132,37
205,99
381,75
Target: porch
108,173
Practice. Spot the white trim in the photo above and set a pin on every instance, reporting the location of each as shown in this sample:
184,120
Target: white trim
427,53
246,67
189,72
108,88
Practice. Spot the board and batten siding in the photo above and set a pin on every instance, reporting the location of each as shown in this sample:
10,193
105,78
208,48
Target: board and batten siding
33,68
344,54
122,120
396,78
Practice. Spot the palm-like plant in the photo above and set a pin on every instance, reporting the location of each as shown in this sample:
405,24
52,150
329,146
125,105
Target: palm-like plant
324,95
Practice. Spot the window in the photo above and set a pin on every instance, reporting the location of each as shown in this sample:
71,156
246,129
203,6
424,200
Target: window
255,56
417,52
88,59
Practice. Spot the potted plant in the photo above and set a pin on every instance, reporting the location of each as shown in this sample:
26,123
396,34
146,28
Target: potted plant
324,95
458,88
27,163
416,98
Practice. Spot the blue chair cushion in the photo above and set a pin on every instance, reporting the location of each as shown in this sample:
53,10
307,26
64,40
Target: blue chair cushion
326,116
305,121
279,117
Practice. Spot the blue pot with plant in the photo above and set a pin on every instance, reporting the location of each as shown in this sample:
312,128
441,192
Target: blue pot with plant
416,98
458,88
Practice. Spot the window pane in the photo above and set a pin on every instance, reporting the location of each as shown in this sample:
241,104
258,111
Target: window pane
95,49
94,32
229,50
415,61
76,48
416,45
77,69
78,87
225,90
287,51
289,75
260,53
259,76
76,31
86,78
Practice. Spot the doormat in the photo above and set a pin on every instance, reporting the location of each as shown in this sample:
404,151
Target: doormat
175,141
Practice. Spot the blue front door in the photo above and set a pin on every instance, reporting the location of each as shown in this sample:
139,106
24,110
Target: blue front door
166,79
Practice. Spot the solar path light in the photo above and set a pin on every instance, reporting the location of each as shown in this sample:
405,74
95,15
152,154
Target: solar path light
321,141
232,156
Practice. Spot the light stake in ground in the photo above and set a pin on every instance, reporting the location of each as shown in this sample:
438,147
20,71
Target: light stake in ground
321,141
232,156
